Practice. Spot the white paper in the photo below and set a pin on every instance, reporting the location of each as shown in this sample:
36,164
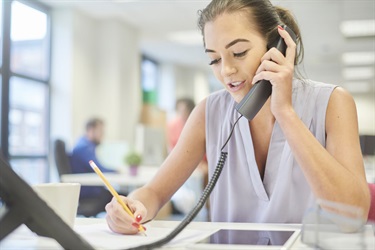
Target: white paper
101,237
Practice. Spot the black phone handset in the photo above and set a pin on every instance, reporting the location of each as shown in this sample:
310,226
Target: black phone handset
260,92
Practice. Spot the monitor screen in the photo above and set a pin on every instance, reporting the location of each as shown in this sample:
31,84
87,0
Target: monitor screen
367,144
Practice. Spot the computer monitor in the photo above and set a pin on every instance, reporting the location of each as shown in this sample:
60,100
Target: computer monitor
24,206
367,144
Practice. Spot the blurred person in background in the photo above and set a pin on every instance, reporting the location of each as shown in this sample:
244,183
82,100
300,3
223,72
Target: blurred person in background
185,198
82,153
184,106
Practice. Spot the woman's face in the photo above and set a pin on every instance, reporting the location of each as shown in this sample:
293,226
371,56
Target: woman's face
235,48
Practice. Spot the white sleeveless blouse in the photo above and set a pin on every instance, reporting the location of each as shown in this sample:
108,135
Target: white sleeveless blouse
240,194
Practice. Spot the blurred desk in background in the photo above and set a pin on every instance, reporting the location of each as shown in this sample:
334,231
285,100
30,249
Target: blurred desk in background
120,181
369,162
123,181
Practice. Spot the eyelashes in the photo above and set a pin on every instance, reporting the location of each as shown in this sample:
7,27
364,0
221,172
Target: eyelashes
214,61
236,55
240,54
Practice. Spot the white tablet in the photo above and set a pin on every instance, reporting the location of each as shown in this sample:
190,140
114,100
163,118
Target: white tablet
248,239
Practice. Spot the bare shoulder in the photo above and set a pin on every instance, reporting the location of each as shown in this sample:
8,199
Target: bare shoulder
341,96
201,106
199,112
341,109
196,123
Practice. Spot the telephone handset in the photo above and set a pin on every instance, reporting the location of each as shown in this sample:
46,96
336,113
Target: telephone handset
259,93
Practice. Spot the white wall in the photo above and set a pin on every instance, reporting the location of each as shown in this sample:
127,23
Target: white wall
366,113
62,76
178,81
95,72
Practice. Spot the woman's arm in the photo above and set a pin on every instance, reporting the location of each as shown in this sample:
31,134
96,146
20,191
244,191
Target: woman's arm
335,173
175,170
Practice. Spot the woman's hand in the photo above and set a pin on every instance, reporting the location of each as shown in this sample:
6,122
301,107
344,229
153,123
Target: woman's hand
279,70
119,221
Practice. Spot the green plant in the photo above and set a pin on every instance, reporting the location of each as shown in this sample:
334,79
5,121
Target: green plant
133,158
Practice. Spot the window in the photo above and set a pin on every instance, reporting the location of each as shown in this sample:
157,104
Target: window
26,115
1,34
1,70
25,68
149,74
29,48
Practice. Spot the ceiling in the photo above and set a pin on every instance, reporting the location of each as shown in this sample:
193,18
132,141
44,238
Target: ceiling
320,20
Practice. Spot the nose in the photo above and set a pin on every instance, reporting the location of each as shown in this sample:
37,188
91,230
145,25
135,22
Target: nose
227,68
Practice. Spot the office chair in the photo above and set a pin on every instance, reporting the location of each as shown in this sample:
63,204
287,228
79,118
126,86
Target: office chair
87,207
61,158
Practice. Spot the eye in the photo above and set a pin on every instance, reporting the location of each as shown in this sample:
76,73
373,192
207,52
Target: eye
214,61
240,54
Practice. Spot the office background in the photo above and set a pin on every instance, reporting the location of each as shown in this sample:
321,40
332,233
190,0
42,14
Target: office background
128,61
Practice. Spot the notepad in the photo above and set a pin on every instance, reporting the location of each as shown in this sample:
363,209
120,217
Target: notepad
101,237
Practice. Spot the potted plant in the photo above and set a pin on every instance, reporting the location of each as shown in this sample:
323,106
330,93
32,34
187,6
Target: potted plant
133,160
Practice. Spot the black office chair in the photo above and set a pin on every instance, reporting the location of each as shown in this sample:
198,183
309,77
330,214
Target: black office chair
87,207
61,158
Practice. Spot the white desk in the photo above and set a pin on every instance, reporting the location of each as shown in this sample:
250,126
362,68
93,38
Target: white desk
125,182
96,232
122,179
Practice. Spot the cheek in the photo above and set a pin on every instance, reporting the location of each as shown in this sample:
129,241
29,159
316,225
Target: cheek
252,65
217,72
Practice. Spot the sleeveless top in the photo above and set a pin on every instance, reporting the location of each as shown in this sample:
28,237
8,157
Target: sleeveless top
240,195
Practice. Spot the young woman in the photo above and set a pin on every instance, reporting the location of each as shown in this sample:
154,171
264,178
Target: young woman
302,145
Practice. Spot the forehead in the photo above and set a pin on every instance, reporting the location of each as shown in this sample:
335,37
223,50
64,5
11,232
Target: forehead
99,125
229,26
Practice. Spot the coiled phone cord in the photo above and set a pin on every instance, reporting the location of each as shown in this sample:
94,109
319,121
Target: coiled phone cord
206,193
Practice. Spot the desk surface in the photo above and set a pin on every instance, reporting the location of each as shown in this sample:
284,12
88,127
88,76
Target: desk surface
124,180
145,174
96,232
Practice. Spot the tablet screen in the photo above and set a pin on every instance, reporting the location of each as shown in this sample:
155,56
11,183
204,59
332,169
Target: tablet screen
249,237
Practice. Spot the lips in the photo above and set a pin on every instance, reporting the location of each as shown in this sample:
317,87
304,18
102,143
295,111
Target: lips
235,86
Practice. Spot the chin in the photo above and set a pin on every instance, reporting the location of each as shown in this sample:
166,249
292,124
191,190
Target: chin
237,98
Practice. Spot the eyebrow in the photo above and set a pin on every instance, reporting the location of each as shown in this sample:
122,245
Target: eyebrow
229,44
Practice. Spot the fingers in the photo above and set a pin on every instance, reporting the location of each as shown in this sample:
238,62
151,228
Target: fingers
291,45
274,65
121,228
267,65
120,221
275,55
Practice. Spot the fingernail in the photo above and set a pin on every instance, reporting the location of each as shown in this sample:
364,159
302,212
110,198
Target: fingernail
281,28
136,225
138,218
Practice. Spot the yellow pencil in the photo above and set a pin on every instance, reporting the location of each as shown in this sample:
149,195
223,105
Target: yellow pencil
114,192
